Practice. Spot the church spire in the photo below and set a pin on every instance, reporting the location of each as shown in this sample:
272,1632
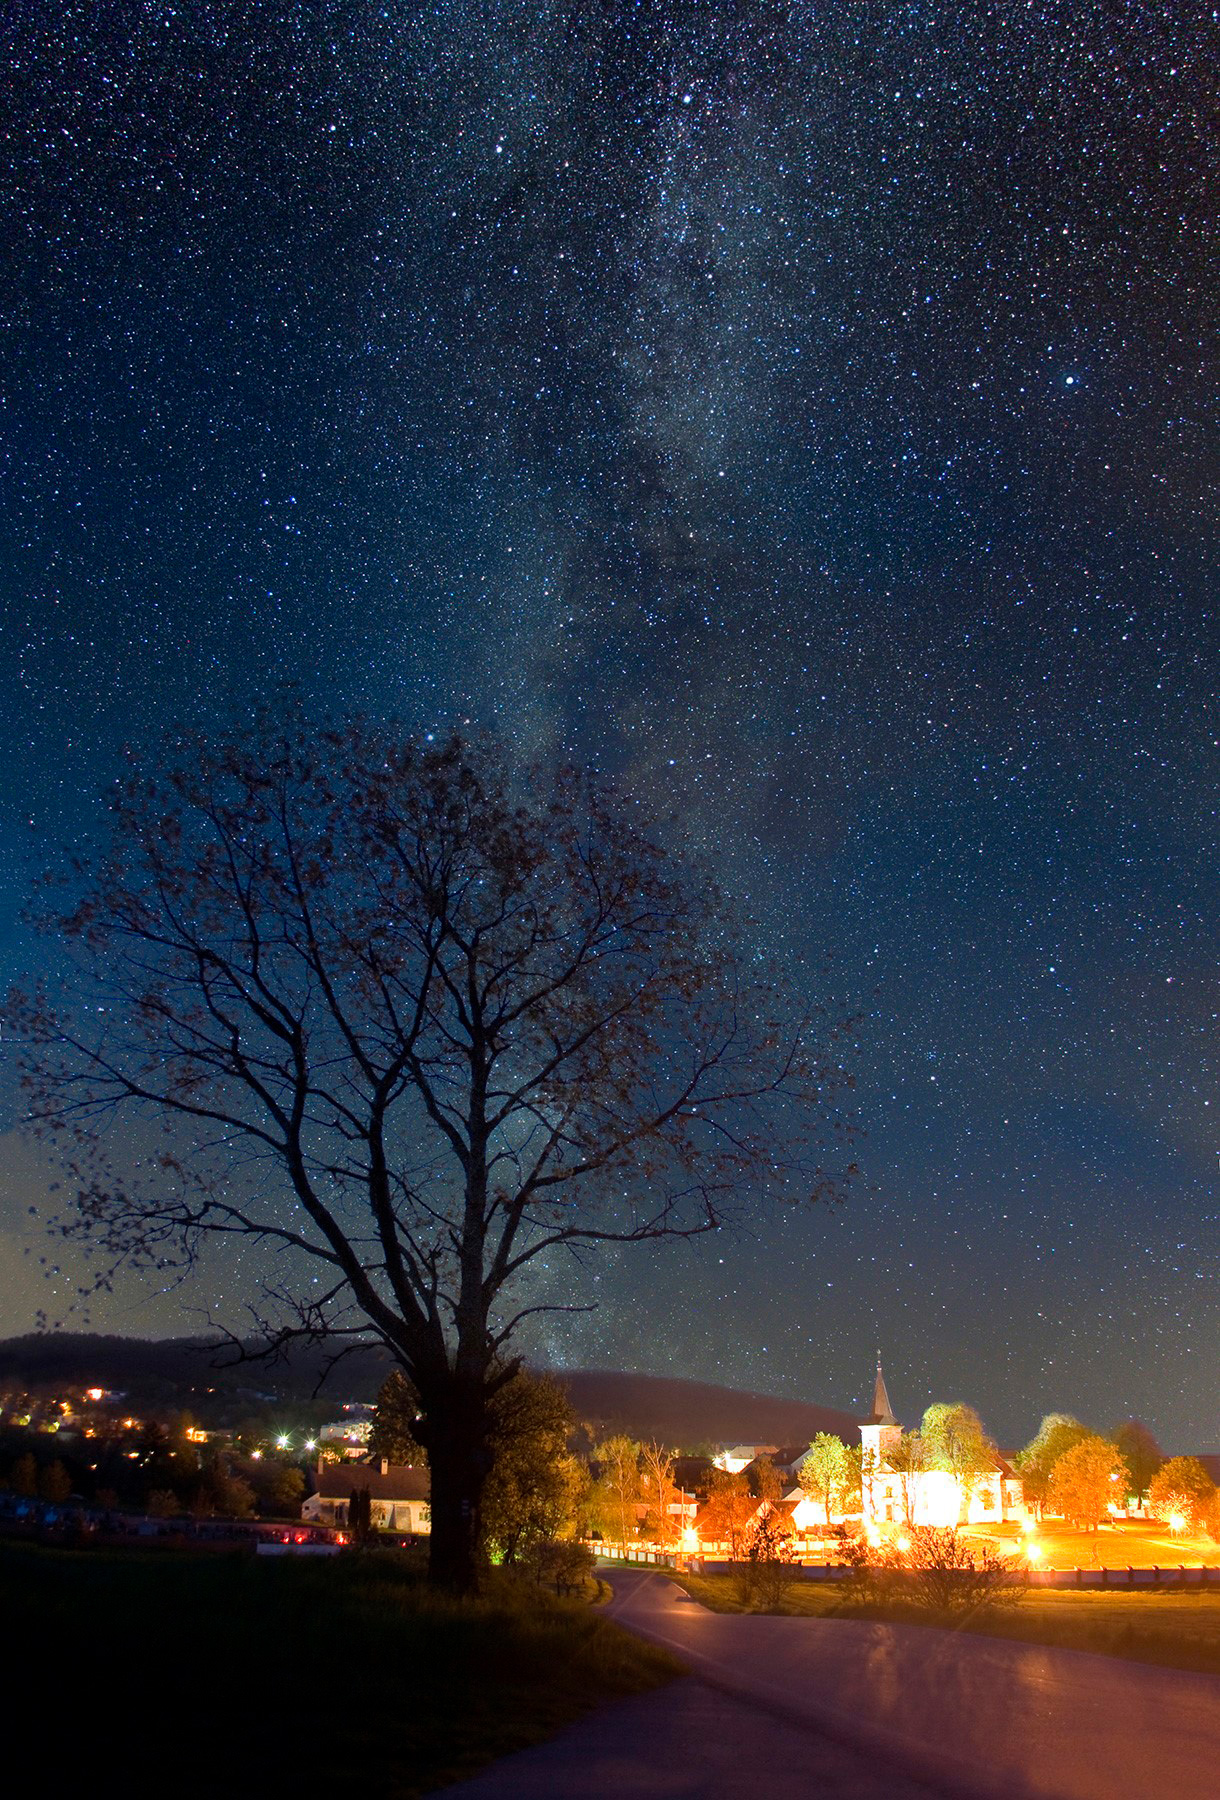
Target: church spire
882,1411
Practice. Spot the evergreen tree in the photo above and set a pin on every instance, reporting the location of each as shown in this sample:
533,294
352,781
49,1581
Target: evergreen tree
394,1415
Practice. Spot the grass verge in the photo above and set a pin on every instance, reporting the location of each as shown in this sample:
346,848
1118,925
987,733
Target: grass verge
1178,1630
182,1674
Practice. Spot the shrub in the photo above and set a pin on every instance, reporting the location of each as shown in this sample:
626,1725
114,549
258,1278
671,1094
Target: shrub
941,1573
765,1576
560,1563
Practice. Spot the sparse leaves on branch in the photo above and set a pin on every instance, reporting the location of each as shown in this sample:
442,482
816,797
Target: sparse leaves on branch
417,1027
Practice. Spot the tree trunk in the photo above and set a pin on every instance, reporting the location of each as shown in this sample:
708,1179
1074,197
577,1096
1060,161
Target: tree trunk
455,1436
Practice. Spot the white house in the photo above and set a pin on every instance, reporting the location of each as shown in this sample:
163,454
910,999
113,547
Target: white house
736,1457
398,1494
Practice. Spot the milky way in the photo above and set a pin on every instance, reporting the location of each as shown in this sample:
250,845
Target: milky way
806,414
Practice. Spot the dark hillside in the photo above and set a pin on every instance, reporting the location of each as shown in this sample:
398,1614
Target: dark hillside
174,1370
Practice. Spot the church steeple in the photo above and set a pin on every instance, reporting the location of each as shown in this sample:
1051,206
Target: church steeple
883,1413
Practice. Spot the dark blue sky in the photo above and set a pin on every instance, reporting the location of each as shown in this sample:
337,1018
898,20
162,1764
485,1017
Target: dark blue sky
807,413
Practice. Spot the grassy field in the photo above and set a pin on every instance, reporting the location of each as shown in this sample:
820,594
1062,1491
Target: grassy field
1142,1543
1178,1630
179,1675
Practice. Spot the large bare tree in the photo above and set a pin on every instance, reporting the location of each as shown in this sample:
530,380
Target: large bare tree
415,1025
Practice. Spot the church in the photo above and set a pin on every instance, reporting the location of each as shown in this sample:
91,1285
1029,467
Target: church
927,1496
891,1495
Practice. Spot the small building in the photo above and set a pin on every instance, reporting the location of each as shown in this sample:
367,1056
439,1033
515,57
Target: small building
349,1436
399,1494
736,1457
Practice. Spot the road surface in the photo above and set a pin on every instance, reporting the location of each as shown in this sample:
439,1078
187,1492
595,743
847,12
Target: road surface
975,1715
844,1709
689,1741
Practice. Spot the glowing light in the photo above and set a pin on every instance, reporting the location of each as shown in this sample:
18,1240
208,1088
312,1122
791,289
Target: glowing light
942,1497
1029,1526
690,1539
281,1443
1034,1552
1177,1521
311,1443
904,1543
94,1394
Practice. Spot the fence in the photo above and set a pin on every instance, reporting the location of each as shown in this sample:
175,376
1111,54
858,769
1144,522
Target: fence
1158,1578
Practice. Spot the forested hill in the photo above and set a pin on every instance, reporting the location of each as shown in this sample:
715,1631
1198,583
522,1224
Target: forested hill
174,1370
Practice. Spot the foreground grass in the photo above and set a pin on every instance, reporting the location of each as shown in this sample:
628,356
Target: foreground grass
1178,1630
185,1674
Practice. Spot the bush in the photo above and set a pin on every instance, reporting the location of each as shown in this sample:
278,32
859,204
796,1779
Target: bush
764,1578
941,1573
560,1563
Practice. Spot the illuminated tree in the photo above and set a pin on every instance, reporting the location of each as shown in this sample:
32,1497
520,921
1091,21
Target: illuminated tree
729,1509
908,1459
770,1560
535,1489
1183,1489
954,1440
764,1480
415,1024
853,1488
1057,1433
1085,1479
1141,1453
616,1492
660,1491
824,1472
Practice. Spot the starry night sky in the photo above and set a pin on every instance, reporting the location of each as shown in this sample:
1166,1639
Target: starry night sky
806,413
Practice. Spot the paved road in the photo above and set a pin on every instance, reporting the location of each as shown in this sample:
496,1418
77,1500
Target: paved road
813,1709
689,1741
970,1714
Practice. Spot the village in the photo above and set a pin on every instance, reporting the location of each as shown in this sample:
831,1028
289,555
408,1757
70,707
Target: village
1069,1501
809,1501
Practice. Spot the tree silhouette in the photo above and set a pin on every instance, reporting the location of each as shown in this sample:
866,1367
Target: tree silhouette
416,1026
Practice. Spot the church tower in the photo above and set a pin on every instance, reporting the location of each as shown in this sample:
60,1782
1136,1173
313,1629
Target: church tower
880,1434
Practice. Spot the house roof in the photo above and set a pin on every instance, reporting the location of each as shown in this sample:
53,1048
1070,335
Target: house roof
391,1481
